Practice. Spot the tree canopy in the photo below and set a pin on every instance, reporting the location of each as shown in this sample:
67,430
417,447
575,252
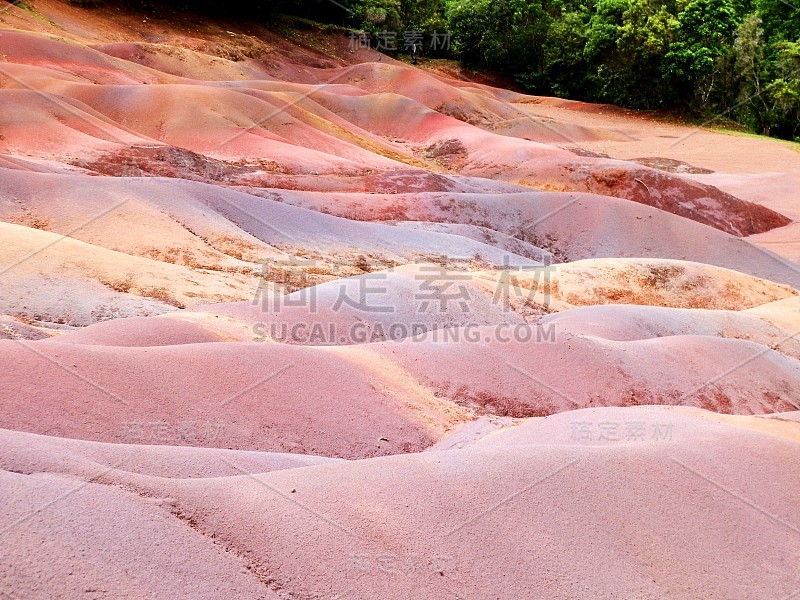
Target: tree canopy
737,59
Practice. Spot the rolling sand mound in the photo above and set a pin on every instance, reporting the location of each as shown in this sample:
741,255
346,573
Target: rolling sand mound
400,396
683,425
22,328
237,125
34,129
405,302
231,257
571,226
548,167
661,283
487,236
248,225
537,370
550,131
781,313
24,452
100,211
249,396
633,483
77,60
182,62
171,329
408,301
58,279
665,509
378,306
100,540
160,112
627,323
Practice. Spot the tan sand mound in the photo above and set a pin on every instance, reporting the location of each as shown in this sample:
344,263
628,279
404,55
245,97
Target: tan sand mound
655,282
382,305
59,279
622,322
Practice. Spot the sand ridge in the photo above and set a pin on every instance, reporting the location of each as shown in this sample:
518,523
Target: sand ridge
282,320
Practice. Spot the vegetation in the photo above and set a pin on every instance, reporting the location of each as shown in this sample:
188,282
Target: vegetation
732,59
737,60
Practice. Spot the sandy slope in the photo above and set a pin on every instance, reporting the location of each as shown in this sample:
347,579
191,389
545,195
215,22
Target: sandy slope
90,283
556,342
248,396
399,396
571,226
681,499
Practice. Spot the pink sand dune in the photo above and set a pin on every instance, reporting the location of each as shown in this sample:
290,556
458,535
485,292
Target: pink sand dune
522,510
621,423
572,226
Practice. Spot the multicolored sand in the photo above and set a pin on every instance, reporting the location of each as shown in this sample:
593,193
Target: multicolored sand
282,320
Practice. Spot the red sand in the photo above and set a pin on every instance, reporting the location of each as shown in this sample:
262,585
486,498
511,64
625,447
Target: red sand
621,424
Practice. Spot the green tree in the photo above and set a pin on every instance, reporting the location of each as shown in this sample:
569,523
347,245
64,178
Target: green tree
376,15
565,67
705,36
780,19
507,36
785,90
735,58
626,42
423,15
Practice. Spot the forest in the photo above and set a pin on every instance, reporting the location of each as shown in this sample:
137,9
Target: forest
720,61
723,62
